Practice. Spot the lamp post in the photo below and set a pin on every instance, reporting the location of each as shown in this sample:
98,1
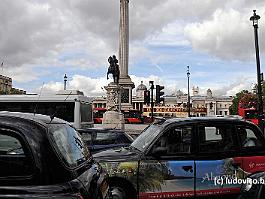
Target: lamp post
65,80
255,19
188,76
151,83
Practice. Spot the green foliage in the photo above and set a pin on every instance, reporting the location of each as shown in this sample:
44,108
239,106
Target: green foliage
233,109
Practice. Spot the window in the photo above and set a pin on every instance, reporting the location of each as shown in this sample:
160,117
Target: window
247,137
174,141
64,110
86,112
215,138
70,145
146,137
105,138
14,161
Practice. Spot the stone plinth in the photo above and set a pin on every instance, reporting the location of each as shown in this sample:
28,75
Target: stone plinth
113,119
112,96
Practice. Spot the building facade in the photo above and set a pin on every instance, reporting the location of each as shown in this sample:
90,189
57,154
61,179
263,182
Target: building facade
175,105
6,86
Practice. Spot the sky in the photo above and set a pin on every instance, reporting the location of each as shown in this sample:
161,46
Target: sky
42,40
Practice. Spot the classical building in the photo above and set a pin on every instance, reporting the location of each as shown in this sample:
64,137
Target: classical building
175,105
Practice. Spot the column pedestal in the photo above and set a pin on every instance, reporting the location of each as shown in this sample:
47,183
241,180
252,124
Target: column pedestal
112,118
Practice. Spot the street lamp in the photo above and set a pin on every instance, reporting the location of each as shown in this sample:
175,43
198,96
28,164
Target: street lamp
188,76
65,80
255,19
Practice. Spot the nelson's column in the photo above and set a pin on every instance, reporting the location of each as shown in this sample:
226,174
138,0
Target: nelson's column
125,80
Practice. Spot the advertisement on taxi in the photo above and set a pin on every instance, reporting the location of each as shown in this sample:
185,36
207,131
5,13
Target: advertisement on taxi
171,179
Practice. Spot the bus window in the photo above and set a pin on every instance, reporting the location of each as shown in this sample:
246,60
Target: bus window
86,112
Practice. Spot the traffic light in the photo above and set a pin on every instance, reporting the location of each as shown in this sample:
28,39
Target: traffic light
146,97
211,105
159,93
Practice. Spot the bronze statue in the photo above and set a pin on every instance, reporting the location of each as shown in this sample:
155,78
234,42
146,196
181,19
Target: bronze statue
113,69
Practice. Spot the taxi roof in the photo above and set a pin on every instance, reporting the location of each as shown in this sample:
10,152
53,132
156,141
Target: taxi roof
42,119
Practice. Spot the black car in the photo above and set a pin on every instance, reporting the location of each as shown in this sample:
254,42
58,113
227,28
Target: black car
186,157
98,139
42,157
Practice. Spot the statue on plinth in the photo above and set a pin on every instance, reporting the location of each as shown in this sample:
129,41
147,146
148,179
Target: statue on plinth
112,118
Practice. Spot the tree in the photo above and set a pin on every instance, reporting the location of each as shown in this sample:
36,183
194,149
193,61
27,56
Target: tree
249,100
233,109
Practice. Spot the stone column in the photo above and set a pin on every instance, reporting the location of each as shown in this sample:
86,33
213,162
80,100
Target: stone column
125,80
124,38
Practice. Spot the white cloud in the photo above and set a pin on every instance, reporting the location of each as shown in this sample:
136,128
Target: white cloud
227,34
39,38
90,87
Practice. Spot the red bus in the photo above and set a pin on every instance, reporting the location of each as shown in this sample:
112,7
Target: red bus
248,113
98,115
133,116
130,116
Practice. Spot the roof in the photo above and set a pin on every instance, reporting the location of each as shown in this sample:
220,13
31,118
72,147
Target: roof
203,119
45,97
141,87
42,119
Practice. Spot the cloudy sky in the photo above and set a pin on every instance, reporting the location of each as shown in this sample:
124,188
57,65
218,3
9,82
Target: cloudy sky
42,40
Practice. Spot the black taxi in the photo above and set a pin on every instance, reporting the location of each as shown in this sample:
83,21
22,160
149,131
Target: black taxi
43,157
186,157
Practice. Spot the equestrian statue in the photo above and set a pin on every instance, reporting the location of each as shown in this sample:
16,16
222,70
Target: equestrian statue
113,69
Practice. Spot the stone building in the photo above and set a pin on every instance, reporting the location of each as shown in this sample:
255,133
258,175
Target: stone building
6,86
175,105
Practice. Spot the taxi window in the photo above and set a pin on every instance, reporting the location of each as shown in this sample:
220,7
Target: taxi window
248,137
146,137
174,141
14,161
216,138
110,138
70,145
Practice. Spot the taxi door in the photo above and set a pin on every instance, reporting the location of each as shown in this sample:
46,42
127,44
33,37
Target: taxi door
252,148
174,173
217,161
